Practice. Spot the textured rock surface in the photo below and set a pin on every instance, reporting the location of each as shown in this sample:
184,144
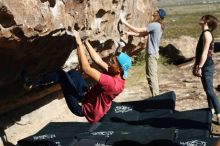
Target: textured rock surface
33,38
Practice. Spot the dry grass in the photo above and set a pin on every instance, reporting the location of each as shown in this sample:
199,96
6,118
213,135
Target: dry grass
183,20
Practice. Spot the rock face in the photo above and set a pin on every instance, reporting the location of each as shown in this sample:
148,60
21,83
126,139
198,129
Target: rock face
33,38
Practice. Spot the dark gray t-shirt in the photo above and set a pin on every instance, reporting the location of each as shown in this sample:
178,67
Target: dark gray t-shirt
155,32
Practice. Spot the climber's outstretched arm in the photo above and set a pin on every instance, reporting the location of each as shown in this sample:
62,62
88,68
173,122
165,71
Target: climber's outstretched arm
137,30
91,72
95,56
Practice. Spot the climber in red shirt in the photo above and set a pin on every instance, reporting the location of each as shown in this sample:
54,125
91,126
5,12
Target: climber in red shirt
97,100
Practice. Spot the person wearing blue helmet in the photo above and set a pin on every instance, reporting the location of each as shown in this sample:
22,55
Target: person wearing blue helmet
97,100
154,32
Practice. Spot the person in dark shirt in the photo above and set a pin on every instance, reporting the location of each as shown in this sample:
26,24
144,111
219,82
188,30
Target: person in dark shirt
204,65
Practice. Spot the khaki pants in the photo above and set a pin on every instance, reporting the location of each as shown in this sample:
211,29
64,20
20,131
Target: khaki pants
151,73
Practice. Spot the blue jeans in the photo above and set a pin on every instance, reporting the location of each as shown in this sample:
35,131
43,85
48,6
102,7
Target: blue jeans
207,82
73,87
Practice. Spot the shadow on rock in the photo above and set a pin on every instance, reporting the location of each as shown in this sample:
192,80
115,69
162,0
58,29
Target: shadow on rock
173,55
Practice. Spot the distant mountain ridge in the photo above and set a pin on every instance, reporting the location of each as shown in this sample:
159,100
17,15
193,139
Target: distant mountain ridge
183,2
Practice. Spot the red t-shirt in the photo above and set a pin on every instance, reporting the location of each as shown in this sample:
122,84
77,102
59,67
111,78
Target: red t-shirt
99,99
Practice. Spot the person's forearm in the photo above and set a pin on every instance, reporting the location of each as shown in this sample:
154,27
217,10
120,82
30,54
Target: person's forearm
202,60
132,33
132,28
94,55
82,57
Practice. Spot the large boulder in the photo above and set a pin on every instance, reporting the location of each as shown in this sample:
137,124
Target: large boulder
33,35
179,50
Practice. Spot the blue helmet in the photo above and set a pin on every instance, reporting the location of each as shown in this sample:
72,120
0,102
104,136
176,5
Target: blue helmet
125,62
162,13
